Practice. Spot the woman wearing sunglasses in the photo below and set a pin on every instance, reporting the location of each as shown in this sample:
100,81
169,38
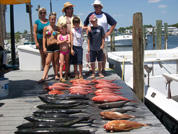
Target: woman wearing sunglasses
38,32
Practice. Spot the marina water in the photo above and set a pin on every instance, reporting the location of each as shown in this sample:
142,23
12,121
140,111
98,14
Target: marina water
172,43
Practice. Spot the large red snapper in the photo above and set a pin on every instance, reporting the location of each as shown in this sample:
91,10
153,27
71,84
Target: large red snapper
109,98
122,125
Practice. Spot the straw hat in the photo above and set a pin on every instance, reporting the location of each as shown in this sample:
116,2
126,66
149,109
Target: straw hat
97,2
67,4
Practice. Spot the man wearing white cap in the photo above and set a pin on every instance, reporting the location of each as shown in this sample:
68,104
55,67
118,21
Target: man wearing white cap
103,20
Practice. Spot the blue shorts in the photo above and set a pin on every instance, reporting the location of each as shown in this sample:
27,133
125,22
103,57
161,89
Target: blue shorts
52,48
78,56
96,55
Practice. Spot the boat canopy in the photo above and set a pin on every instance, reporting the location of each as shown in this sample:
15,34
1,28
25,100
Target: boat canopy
11,2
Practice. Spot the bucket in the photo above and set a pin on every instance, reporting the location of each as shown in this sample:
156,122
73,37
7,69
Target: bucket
4,90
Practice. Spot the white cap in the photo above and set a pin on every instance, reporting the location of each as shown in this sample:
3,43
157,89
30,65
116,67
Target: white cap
97,2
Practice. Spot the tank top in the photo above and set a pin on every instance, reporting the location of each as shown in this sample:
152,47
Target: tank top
77,36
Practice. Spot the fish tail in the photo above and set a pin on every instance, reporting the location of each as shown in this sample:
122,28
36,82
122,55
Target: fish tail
147,124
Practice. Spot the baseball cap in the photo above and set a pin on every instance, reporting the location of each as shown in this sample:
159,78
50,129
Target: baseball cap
93,17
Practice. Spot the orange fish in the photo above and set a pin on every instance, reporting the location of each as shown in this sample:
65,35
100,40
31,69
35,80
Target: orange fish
109,98
122,125
103,80
61,84
115,115
55,92
56,87
80,81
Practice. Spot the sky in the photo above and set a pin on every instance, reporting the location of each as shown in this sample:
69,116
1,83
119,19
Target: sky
121,10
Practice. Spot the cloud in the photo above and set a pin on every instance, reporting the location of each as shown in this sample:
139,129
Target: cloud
162,6
163,12
153,1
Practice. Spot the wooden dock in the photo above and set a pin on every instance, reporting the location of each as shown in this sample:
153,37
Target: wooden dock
23,96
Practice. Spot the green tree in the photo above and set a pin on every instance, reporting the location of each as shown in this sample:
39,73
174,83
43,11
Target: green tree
25,32
121,30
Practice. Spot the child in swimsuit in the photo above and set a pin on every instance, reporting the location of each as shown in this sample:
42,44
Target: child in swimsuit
52,50
63,39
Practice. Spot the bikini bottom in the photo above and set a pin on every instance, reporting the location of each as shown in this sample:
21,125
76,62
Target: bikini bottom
64,53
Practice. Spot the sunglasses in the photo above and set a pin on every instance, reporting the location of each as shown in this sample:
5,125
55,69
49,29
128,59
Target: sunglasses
42,12
71,8
96,6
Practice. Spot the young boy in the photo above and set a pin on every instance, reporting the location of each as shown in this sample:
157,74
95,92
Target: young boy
76,47
95,45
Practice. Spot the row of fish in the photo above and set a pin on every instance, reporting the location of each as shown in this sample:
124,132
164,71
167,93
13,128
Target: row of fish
66,104
58,115
108,94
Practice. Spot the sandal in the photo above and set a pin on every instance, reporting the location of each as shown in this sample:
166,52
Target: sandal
62,80
67,77
56,78
41,81
80,77
76,77
101,75
92,76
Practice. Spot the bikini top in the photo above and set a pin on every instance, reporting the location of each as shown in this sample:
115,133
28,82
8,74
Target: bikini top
49,33
61,38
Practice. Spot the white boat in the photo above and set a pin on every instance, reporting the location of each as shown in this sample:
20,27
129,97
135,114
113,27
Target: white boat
121,40
157,96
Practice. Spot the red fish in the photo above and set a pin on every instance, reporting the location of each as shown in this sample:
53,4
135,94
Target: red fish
107,86
80,81
55,92
109,98
107,93
82,85
61,84
103,80
122,125
115,115
56,87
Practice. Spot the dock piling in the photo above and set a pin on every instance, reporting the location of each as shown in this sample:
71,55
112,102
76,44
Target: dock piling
158,34
138,56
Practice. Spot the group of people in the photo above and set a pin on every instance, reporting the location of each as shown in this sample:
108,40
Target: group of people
64,41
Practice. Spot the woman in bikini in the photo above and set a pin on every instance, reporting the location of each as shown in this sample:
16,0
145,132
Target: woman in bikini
63,39
50,38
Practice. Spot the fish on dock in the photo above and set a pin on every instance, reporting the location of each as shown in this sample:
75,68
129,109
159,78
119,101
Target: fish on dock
58,130
109,98
64,97
122,125
57,120
108,105
50,124
54,106
65,111
115,115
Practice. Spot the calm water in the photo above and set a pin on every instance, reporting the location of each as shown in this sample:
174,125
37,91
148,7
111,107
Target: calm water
172,43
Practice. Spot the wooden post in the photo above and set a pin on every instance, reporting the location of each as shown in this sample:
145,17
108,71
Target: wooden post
165,35
113,40
158,34
138,56
153,34
2,24
29,6
144,34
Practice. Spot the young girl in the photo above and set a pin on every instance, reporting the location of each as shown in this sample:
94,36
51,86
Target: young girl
76,47
50,38
63,39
